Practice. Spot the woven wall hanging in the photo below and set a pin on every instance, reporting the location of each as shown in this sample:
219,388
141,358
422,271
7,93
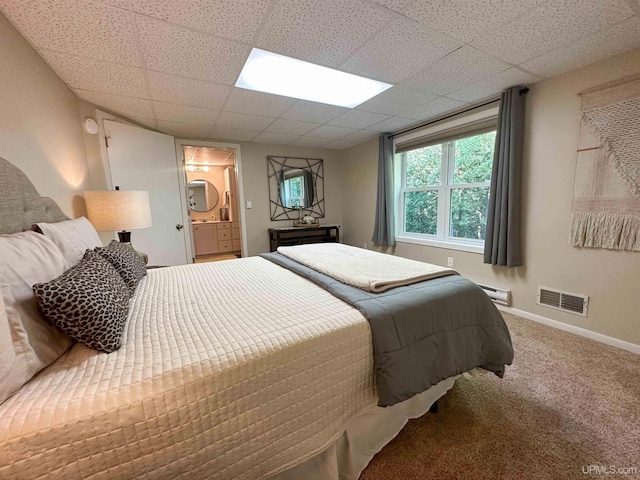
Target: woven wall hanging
606,195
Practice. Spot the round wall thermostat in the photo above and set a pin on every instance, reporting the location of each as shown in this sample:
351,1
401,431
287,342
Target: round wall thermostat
90,126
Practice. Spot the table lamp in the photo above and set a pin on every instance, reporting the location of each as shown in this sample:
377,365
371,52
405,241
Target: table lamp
120,210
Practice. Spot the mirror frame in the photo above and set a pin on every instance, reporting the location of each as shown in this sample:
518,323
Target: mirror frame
188,198
275,167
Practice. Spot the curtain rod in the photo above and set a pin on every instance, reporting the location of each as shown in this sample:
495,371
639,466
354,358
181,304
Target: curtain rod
522,91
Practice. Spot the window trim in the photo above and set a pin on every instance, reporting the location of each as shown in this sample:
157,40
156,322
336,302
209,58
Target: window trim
442,239
435,242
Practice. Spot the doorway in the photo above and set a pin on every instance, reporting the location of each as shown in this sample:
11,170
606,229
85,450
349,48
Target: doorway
135,158
213,197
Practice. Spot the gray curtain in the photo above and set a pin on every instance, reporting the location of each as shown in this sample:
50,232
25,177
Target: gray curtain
503,244
384,230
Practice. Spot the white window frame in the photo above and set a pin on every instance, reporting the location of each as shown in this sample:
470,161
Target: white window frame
289,194
442,238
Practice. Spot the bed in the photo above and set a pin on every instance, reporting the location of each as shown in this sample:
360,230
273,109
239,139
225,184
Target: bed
234,370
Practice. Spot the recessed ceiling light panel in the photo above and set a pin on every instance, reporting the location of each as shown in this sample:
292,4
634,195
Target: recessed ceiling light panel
272,73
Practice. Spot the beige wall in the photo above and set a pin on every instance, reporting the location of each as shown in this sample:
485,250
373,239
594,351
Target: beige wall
92,146
256,190
359,185
610,278
40,128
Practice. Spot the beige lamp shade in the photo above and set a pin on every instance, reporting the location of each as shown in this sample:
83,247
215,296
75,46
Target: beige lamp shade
118,210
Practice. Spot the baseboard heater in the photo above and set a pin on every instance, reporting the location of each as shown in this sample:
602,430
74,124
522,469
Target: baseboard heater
497,295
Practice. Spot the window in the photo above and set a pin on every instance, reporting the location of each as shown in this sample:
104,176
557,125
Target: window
444,191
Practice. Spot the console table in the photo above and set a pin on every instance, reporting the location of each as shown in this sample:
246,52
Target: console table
287,236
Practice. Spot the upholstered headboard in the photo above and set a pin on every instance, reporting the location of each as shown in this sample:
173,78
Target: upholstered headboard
20,203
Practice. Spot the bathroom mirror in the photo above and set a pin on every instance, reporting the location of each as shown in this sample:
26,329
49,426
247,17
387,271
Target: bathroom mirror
296,187
203,196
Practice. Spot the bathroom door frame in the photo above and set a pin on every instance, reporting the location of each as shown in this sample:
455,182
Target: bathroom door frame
180,144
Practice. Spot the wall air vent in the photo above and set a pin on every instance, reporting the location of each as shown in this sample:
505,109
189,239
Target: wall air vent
565,301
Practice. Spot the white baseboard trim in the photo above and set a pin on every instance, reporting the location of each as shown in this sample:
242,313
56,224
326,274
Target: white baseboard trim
583,332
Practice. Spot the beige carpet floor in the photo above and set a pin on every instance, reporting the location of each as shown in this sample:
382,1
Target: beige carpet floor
566,403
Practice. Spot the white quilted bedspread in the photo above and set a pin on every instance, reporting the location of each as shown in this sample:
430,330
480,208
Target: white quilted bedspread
230,370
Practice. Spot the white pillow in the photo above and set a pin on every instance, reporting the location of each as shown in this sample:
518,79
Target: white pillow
27,258
72,237
7,352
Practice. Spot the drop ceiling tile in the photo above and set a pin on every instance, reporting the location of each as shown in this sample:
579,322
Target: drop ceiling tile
87,74
172,112
291,127
227,18
494,85
324,32
340,145
232,134
551,25
392,124
118,3
88,29
274,138
242,121
455,71
398,51
257,103
602,44
360,136
305,111
209,156
146,122
395,5
310,142
331,131
188,130
187,91
126,106
172,49
465,20
396,100
434,108
358,119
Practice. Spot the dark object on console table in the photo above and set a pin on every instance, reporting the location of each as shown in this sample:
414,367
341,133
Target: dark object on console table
287,236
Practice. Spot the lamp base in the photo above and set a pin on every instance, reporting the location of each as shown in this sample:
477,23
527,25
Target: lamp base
125,237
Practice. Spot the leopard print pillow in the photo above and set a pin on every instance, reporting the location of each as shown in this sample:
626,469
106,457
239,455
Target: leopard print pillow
126,261
89,302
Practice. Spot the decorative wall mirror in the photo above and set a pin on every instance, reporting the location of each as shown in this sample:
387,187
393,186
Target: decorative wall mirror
203,196
295,184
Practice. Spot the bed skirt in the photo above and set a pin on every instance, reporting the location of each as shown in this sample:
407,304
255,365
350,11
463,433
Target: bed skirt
364,436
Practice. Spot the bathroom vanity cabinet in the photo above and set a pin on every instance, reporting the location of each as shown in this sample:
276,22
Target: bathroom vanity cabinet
216,237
